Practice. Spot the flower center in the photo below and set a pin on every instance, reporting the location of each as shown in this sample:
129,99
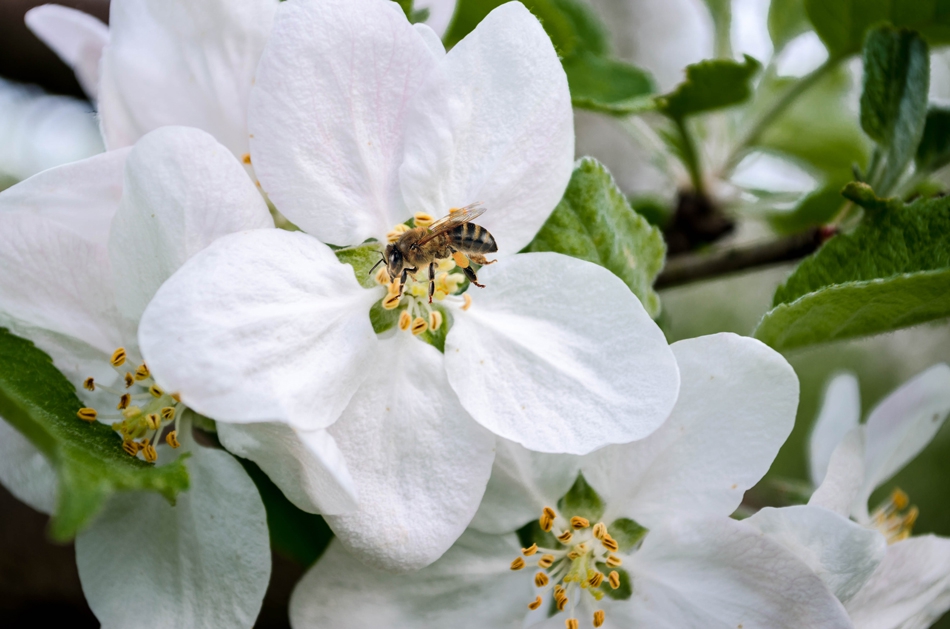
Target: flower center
144,409
417,314
578,571
895,517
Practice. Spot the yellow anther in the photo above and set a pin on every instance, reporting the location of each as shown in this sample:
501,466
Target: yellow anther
131,447
547,514
610,543
382,277
579,523
599,618
124,400
468,301
595,579
149,453
396,232
89,384
118,357
536,603
87,414
571,623
435,320
405,320
419,325
392,301
176,397
156,391
172,439
561,604
911,518
129,380
530,550
168,413
141,372
421,219
517,564
558,591
546,561
613,561
599,530
614,579
565,537
900,499
152,421
246,159
541,579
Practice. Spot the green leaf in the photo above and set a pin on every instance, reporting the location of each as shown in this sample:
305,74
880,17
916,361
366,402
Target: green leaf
594,222
815,209
894,101
933,152
37,400
709,85
891,272
842,24
581,500
625,591
362,258
787,20
608,85
627,533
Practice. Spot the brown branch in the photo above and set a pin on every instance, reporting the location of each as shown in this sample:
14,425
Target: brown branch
692,267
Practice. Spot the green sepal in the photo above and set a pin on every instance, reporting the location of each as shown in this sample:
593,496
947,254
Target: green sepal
787,20
627,533
532,533
362,258
594,222
710,85
37,400
581,500
622,593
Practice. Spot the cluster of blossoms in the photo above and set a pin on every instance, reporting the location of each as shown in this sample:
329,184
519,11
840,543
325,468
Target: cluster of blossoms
552,391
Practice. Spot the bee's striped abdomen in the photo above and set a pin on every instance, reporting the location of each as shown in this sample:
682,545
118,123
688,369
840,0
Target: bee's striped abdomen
474,238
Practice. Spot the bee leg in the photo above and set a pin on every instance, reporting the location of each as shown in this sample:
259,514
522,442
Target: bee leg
431,280
470,274
480,259
405,273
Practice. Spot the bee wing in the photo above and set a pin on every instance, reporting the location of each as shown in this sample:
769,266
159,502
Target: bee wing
454,219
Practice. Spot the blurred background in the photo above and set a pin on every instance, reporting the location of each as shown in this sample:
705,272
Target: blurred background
46,119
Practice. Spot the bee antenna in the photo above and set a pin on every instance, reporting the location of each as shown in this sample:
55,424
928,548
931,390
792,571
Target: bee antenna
382,259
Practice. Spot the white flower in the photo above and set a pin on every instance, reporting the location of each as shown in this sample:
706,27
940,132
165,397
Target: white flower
911,587
82,249
693,567
358,120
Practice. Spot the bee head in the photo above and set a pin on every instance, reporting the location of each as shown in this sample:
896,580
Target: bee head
393,261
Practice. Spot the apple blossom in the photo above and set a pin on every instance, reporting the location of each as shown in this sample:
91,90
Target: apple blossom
359,121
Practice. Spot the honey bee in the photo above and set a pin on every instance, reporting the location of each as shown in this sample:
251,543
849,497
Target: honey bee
453,236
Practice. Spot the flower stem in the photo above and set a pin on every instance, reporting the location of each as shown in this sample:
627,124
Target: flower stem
690,156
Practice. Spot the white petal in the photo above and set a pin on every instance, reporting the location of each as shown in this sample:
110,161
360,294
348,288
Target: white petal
82,196
845,476
432,40
306,465
736,407
78,38
843,553
840,412
494,125
56,290
440,13
420,462
183,190
24,471
175,62
716,572
470,587
904,423
558,355
522,483
910,586
204,563
328,113
264,325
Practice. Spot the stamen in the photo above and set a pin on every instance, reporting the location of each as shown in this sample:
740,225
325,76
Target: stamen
596,579
129,380
900,499
124,400
87,414
598,618
141,373
168,413
468,301
89,384
435,320
565,537
541,579
546,561
579,523
614,579
396,232
392,301
517,564
118,357
547,519
172,439
610,543
405,320
131,447
530,550
536,603
599,530
246,159
613,561
571,623
421,219
419,325
149,453
152,421
156,391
